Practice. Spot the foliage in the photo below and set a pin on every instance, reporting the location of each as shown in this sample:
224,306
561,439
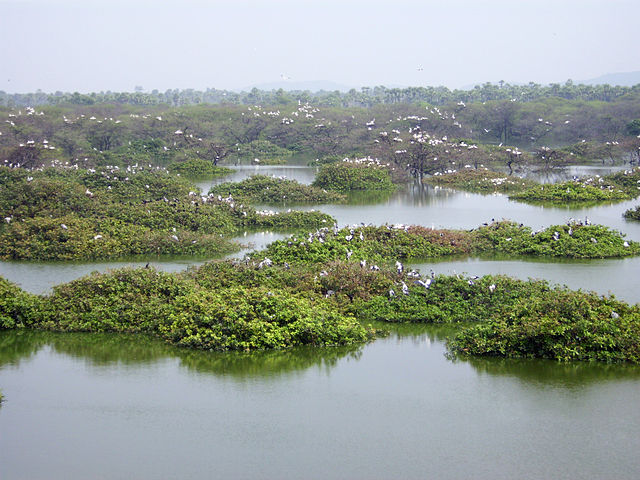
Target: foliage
16,305
264,151
632,213
575,240
560,324
572,191
198,167
292,220
68,213
481,181
347,176
182,312
265,189
448,299
390,243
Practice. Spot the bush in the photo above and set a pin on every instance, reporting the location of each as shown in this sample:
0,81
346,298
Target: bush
197,167
480,181
264,189
16,305
346,177
182,312
561,325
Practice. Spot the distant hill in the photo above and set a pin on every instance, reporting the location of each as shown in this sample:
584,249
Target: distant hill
624,79
311,85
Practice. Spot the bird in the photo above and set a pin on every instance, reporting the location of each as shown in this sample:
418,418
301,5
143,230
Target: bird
392,293
405,289
492,287
399,267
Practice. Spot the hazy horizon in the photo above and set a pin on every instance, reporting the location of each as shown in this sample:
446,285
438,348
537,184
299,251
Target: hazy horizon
93,45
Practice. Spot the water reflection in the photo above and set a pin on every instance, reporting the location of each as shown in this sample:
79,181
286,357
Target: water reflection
543,373
105,350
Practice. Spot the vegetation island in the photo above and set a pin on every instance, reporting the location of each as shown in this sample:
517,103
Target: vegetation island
113,175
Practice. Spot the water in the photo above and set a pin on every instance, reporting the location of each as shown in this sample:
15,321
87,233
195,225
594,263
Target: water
108,406
105,406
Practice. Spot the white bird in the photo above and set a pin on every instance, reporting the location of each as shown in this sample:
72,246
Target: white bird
64,227
405,289
399,267
492,287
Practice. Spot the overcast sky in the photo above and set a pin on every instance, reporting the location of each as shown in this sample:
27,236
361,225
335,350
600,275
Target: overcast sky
94,45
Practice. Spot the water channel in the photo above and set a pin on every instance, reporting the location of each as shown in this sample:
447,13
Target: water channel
109,406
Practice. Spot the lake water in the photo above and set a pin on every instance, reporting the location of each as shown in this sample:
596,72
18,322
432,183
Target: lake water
107,406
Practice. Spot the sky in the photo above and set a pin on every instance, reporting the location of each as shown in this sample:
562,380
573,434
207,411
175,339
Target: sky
96,45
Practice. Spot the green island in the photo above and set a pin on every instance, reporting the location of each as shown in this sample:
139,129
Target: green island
632,213
231,305
364,174
70,213
262,152
614,187
265,189
198,167
106,176
392,242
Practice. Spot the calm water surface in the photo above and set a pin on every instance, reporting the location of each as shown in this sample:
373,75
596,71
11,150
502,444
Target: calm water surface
84,406
118,407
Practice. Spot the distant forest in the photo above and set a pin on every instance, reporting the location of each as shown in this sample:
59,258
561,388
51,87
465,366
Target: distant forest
365,97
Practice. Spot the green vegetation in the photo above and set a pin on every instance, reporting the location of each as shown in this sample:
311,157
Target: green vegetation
573,191
257,305
16,306
390,243
198,167
559,324
68,213
346,176
619,186
265,189
480,181
632,213
184,313
263,152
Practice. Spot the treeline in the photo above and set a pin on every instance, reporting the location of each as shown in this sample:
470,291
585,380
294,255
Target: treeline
365,97
420,139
